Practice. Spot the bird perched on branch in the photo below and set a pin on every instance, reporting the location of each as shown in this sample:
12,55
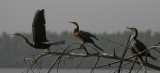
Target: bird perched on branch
138,46
84,36
39,33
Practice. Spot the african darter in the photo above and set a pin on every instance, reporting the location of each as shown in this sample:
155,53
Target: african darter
39,33
84,36
138,46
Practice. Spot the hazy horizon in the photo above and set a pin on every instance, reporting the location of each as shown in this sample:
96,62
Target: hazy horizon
95,16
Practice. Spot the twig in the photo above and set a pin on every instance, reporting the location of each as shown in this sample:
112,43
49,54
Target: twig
79,64
124,53
139,69
34,61
113,41
154,49
95,64
133,65
142,65
59,58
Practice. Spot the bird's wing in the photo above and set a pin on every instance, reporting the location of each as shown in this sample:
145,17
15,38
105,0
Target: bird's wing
38,27
84,37
87,34
140,45
83,34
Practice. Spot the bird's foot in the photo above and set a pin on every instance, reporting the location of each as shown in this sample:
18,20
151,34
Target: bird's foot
81,47
47,51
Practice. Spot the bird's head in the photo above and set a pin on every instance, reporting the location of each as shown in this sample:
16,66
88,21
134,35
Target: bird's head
132,29
75,29
75,23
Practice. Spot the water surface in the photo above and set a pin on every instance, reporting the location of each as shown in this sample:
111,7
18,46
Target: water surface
20,70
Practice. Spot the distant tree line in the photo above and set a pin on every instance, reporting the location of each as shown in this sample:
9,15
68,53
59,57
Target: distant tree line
13,49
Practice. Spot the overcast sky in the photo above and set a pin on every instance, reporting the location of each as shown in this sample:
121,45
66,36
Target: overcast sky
92,15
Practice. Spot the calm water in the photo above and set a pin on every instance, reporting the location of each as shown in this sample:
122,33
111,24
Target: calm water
14,70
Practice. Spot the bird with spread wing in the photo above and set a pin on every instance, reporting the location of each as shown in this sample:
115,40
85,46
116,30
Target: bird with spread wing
39,33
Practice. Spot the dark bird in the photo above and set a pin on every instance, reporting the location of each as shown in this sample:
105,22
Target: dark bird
39,33
84,36
138,46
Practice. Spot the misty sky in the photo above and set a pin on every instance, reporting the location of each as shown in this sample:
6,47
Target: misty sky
92,15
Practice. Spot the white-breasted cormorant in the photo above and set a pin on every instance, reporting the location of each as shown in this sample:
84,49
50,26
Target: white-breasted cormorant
138,46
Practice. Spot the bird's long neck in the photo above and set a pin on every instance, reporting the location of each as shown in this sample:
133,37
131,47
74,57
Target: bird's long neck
27,41
76,29
134,36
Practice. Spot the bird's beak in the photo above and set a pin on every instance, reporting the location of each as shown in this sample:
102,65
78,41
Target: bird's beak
130,29
70,22
127,27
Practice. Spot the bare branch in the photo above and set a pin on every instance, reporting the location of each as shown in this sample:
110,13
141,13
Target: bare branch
95,65
112,41
105,55
124,53
133,65
142,65
69,53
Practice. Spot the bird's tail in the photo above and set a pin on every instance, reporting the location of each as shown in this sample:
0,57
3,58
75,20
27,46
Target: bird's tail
59,42
97,47
153,58
140,57
96,38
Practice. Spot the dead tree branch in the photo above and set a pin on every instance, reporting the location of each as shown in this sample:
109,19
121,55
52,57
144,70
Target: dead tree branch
124,53
69,53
